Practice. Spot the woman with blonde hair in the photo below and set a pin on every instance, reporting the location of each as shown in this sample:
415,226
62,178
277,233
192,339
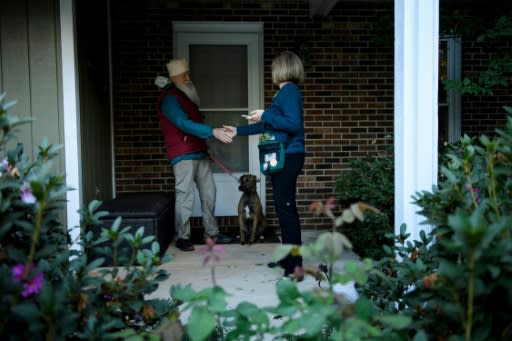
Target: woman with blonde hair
284,121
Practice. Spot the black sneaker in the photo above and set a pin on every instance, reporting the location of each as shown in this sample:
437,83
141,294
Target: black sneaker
273,265
184,245
222,239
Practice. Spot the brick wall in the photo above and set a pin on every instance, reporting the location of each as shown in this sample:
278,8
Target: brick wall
348,88
348,91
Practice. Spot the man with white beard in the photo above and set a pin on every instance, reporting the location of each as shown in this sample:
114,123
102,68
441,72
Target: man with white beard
185,136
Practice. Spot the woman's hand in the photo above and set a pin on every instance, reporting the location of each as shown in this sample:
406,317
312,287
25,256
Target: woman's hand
230,130
222,135
255,115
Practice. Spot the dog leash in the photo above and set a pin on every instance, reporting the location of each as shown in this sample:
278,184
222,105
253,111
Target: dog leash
224,168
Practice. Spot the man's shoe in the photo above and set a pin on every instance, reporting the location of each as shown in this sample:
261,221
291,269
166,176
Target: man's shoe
222,239
184,245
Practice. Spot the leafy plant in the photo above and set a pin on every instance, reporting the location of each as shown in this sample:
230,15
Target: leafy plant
455,282
49,291
369,180
499,66
452,284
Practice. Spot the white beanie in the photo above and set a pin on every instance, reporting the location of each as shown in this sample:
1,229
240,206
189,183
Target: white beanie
177,67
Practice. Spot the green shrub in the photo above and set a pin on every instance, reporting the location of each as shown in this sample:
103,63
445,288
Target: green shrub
369,180
49,291
456,282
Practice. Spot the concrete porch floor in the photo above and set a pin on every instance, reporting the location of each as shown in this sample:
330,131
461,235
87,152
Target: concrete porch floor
242,272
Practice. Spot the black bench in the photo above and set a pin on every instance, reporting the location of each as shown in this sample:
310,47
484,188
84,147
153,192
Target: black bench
152,210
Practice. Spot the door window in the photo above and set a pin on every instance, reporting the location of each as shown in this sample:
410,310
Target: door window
219,73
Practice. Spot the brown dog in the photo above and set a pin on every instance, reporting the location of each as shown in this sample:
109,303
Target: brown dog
250,214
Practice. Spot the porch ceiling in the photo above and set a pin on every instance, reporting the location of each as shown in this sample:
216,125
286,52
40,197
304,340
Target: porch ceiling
320,8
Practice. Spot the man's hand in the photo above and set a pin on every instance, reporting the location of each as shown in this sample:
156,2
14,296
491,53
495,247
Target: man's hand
230,130
223,135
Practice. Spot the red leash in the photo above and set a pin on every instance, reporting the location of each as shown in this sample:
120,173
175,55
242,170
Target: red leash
224,168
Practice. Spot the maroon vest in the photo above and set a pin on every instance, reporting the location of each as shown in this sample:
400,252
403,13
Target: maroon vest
176,141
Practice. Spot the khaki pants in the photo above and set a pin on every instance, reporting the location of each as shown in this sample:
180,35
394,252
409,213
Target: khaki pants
187,174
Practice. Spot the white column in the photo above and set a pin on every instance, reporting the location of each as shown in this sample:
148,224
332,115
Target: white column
415,130
71,115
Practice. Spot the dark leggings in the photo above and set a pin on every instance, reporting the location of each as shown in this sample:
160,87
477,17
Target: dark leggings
284,186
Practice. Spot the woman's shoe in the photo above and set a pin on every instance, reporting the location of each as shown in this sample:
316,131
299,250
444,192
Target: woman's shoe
273,265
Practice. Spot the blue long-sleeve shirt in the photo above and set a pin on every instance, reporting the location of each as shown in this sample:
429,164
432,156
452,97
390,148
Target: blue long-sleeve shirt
284,119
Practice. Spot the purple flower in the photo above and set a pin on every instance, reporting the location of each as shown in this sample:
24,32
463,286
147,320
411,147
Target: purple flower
33,283
26,194
17,272
475,191
210,249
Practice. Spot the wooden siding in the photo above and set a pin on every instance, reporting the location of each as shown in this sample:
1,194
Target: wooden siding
29,70
30,74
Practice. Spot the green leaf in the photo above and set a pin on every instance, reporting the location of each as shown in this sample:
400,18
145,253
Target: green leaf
313,322
287,290
184,294
364,309
340,238
403,228
253,313
451,270
348,216
148,239
217,301
395,321
356,211
247,309
116,224
29,311
291,326
201,324
420,336
9,104
139,232
155,247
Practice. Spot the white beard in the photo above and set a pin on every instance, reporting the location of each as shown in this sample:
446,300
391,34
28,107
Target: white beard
190,90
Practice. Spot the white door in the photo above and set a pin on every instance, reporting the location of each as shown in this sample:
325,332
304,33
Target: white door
226,62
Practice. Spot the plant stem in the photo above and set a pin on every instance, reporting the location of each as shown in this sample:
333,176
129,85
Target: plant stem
212,270
492,182
35,237
470,297
331,270
467,172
